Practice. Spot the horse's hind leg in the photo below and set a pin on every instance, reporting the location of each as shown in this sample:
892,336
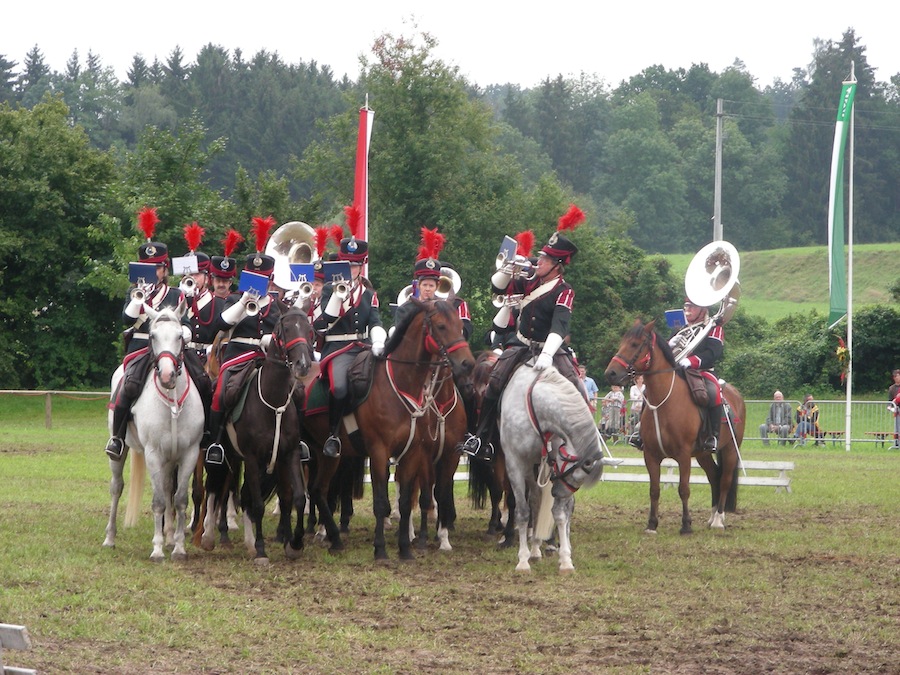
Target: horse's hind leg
116,485
405,492
714,476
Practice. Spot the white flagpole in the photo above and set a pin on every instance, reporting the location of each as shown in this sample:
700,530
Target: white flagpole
849,415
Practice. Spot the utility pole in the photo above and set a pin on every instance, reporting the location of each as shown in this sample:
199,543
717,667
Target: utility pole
717,205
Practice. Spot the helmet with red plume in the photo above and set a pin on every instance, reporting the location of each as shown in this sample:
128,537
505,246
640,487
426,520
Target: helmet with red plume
260,262
560,248
151,251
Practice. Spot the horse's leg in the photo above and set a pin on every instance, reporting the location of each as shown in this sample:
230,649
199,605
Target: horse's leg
684,491
562,514
158,503
254,510
216,478
653,470
197,496
446,508
169,518
510,526
294,546
186,470
116,485
381,505
517,480
318,494
713,475
406,485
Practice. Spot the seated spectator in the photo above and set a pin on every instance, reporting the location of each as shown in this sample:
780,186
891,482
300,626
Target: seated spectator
808,422
778,421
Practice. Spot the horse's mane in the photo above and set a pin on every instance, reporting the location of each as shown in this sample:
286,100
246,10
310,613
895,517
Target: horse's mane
571,406
636,332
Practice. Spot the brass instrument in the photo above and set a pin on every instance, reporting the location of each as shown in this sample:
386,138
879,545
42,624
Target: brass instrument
252,306
342,290
138,294
449,283
405,294
711,277
292,243
506,300
518,267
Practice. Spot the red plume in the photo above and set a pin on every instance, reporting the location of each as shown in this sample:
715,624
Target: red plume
336,233
147,220
193,235
354,219
260,230
231,241
432,244
525,241
321,240
572,219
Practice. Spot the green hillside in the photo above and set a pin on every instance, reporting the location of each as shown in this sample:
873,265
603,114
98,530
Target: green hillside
787,281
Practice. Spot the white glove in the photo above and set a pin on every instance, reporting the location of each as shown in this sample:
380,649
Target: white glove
500,279
264,341
235,313
378,348
333,308
186,333
379,336
685,363
543,361
134,308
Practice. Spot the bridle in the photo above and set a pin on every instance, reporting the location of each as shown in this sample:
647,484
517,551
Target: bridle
284,347
177,359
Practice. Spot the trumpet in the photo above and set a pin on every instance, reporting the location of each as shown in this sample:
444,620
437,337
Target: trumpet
140,292
305,291
342,290
519,267
506,300
252,305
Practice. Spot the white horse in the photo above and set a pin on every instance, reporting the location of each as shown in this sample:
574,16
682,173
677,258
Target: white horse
165,432
541,409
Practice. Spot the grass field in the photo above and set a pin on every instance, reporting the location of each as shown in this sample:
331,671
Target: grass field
787,281
799,583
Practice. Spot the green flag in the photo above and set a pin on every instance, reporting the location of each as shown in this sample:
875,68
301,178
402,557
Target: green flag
837,268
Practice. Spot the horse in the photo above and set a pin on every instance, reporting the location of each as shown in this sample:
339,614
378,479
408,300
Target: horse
165,433
541,408
671,425
265,440
413,417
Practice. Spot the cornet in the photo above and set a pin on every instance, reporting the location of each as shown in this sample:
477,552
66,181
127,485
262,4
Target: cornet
305,291
506,300
342,290
140,292
252,305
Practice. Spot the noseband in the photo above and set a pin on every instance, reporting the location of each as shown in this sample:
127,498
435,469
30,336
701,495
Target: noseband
432,346
285,347
177,359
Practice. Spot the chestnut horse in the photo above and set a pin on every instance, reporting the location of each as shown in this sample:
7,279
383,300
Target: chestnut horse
265,439
671,424
413,417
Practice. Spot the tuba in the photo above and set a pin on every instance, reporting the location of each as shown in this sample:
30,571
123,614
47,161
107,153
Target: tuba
449,283
293,242
711,277
405,294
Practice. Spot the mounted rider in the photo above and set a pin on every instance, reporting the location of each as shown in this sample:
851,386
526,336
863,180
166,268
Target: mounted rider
350,323
203,317
250,317
153,292
544,302
223,268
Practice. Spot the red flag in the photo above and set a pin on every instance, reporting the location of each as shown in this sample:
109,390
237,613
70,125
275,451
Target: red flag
361,176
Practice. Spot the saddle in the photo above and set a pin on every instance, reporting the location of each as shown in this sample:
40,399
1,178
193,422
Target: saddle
360,377
237,379
699,386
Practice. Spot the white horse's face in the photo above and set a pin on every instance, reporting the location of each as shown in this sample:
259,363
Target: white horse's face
166,342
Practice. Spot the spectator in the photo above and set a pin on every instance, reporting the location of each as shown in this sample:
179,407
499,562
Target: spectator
807,421
592,389
894,407
636,399
613,407
778,421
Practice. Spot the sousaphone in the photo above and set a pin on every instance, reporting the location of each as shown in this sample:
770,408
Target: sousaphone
293,242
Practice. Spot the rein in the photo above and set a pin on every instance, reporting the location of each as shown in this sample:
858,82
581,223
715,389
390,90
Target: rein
174,403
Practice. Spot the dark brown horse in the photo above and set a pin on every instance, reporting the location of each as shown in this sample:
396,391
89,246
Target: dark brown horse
265,439
671,424
412,417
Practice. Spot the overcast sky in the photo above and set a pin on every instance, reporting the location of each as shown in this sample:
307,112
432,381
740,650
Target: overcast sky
490,41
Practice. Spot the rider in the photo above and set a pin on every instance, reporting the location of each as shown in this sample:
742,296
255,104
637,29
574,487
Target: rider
542,326
223,267
350,321
250,331
426,273
203,318
155,294
704,358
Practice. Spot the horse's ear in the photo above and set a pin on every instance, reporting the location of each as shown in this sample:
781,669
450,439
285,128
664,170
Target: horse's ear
181,309
650,327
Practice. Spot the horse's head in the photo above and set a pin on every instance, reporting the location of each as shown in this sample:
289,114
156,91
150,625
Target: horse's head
291,341
574,472
443,336
166,346
634,354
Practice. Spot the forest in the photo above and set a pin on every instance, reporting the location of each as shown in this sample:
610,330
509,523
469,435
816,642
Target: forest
221,138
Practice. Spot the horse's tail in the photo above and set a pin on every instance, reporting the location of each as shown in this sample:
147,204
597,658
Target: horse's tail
357,475
543,528
481,478
135,488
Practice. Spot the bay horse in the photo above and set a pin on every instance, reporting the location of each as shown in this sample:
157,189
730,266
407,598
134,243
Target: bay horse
412,417
541,408
265,441
165,432
671,424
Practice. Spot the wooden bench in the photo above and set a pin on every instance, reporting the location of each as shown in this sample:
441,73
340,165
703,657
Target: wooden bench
670,474
834,435
881,436
14,637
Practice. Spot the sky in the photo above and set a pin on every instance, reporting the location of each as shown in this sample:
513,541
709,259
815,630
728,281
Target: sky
491,42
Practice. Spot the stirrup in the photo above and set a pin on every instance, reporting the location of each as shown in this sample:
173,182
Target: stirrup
304,451
635,440
215,454
114,448
711,444
332,447
470,446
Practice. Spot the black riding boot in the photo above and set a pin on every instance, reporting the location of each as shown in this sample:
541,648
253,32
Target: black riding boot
332,447
115,446
715,424
478,445
215,453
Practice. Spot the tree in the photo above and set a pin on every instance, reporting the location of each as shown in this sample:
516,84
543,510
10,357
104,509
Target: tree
35,80
55,188
7,80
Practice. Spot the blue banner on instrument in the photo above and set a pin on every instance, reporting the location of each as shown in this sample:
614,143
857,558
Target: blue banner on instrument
336,270
303,272
676,319
507,251
256,283
142,273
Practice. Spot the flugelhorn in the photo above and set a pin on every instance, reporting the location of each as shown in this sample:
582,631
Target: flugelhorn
342,290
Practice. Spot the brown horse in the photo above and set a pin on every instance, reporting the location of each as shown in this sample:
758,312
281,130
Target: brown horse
265,439
671,424
412,417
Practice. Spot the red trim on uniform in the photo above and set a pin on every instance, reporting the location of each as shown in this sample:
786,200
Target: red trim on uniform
463,311
566,298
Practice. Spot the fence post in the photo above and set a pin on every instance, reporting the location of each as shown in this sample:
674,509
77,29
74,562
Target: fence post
48,411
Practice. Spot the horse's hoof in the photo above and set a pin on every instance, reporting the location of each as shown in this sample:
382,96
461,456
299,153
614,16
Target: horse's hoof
261,562
649,531
523,567
686,531
567,569
157,558
109,544
179,557
336,547
292,553
345,529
